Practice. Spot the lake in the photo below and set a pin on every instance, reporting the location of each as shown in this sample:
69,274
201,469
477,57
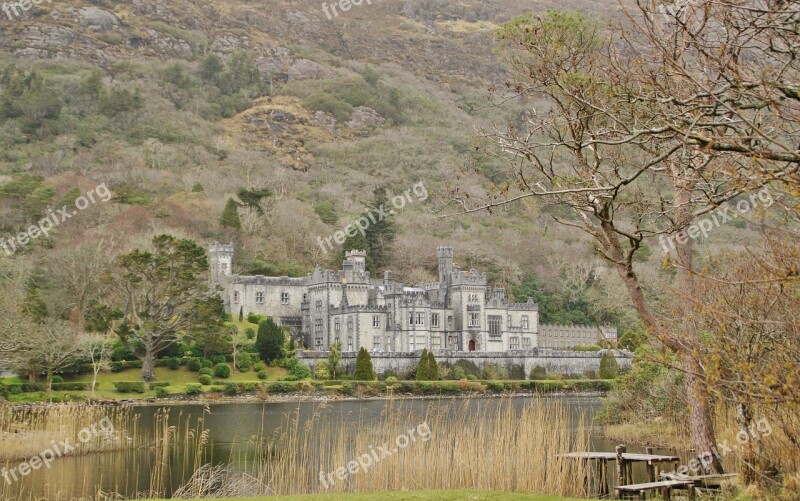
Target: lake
236,433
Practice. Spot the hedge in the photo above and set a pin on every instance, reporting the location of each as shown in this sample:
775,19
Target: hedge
129,386
72,386
121,366
160,384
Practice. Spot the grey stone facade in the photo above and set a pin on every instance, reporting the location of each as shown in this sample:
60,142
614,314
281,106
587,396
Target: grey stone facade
460,312
569,336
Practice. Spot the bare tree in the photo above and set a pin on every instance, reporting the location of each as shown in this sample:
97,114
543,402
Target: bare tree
97,348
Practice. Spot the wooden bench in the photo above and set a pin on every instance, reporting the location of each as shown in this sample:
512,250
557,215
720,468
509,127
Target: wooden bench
665,487
713,481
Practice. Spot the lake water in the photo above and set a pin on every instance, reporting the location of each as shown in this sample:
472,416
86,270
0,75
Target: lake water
232,428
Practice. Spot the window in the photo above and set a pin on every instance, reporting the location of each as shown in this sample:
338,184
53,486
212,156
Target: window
319,344
350,323
376,343
420,319
434,320
376,320
336,325
259,298
410,319
525,322
284,298
436,342
350,343
495,324
236,297
509,322
318,305
526,343
474,320
514,343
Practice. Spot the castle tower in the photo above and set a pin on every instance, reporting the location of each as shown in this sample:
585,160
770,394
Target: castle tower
445,255
355,266
220,261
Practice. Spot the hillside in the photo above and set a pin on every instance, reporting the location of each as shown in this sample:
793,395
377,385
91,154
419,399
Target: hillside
178,105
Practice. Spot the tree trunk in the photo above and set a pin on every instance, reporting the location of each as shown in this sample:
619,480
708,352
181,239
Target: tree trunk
49,380
148,368
744,419
697,395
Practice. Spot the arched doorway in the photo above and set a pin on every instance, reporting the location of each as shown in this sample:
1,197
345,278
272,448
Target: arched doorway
471,345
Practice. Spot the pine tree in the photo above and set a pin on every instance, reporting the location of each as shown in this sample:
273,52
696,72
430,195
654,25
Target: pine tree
381,234
423,370
269,341
364,369
230,215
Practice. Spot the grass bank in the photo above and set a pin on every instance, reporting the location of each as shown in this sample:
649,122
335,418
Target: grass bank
182,384
460,495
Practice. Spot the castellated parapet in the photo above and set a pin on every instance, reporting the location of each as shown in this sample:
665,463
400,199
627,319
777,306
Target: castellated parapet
460,313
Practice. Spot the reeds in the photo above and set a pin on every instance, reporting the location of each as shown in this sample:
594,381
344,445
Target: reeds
472,445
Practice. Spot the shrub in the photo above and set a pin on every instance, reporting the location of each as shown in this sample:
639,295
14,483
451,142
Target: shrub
194,389
162,392
538,373
231,389
609,368
364,369
243,362
391,380
262,375
298,370
207,364
174,363
194,364
206,371
255,319
129,386
259,366
250,333
222,370
205,380
219,359
472,377
56,379
71,386
159,384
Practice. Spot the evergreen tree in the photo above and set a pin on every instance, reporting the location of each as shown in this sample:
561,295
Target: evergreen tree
292,345
364,369
423,370
269,341
609,368
241,314
381,234
230,215
433,367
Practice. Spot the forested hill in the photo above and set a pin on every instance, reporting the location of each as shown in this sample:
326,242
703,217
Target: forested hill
183,107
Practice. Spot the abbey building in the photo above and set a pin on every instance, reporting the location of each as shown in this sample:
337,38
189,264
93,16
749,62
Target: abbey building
460,312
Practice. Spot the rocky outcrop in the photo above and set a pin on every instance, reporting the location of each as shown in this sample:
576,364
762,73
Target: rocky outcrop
363,116
325,120
97,19
303,69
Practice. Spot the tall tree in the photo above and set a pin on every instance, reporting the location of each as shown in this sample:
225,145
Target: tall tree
159,296
381,234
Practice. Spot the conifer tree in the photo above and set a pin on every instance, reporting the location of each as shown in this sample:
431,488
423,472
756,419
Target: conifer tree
364,369
423,370
433,367
230,215
269,341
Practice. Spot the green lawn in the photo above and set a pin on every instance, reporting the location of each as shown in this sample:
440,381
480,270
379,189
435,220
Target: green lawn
178,379
417,496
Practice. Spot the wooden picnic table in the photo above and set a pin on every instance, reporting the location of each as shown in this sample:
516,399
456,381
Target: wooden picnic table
624,462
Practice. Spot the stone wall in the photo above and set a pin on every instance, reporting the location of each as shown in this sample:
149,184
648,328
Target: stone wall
558,362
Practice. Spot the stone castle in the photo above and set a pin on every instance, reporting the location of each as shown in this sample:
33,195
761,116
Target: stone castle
461,312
